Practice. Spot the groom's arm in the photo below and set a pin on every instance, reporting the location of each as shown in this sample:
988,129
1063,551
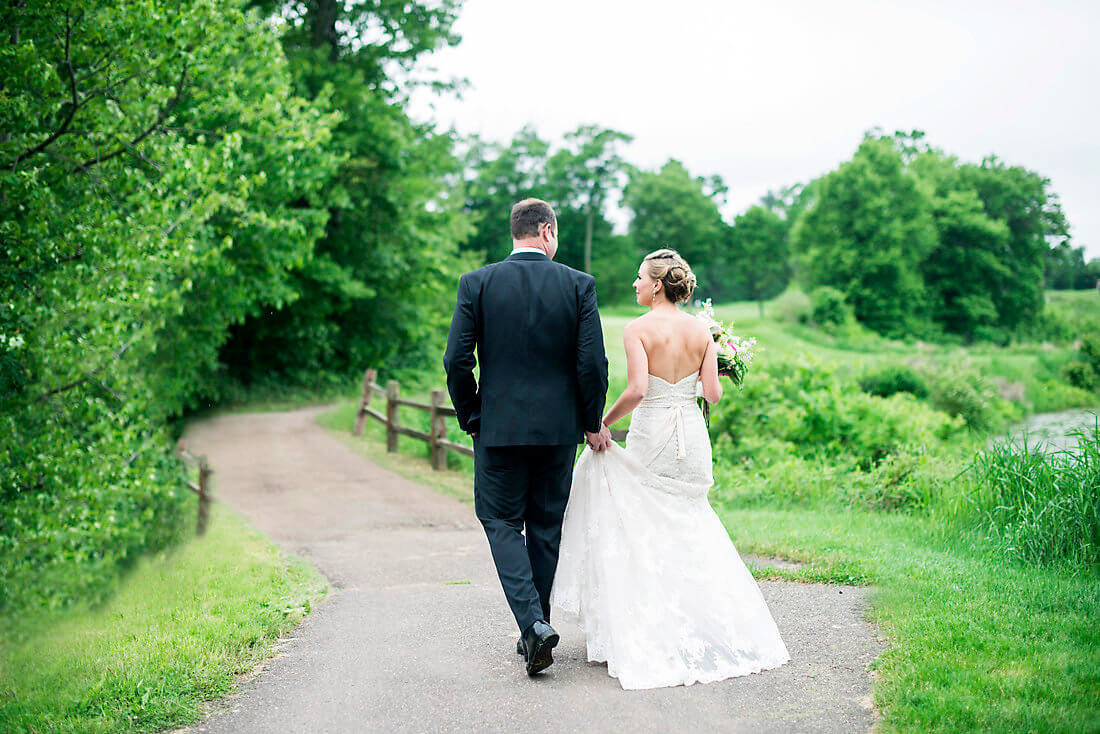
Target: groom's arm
591,361
459,361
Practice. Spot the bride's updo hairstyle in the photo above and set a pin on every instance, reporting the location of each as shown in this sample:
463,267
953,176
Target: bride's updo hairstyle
674,273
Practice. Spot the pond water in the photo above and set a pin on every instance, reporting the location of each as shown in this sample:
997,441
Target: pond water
1052,429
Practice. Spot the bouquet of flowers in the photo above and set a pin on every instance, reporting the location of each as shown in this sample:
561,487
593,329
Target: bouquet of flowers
735,354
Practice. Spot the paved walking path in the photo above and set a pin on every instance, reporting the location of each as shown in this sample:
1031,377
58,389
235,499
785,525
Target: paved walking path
415,634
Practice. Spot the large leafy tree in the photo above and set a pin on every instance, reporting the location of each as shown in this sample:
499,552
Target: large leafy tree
157,169
672,208
579,179
1021,201
585,173
968,264
866,233
375,290
497,176
760,254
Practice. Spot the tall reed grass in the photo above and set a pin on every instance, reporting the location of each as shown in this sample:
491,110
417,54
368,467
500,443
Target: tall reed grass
1041,506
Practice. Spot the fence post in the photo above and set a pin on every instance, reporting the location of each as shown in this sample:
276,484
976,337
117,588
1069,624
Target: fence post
393,391
204,496
364,400
438,431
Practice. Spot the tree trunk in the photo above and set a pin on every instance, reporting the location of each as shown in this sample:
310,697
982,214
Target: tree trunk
588,240
322,21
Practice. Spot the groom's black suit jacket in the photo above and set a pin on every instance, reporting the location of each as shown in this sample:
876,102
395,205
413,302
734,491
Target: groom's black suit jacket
539,344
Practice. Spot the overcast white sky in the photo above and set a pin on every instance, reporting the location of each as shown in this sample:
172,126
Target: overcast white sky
767,94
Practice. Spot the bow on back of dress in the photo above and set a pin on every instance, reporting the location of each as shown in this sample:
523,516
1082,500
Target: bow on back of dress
673,397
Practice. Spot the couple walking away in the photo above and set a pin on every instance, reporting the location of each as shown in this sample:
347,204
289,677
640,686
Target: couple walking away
625,543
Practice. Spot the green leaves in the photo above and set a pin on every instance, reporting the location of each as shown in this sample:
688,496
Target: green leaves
579,179
921,244
674,209
866,234
156,190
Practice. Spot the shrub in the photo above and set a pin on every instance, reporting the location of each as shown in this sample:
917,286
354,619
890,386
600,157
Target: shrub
966,394
1081,375
895,379
913,478
1090,351
803,405
792,305
829,308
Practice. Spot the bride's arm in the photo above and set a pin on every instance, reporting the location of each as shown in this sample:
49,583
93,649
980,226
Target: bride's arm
637,376
708,374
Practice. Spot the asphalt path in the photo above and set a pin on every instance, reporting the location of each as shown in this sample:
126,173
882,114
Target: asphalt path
415,634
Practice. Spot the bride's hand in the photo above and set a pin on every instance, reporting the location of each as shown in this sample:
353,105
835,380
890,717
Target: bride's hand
599,441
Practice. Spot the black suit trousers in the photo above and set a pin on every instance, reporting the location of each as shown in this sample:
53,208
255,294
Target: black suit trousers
520,493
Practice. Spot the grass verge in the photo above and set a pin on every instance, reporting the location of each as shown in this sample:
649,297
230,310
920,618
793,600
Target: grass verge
975,642
412,459
180,627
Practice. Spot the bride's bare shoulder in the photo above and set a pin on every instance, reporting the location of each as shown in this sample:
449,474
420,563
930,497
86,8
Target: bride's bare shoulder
638,325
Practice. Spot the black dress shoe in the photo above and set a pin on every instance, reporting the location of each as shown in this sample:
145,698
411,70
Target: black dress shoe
521,649
539,641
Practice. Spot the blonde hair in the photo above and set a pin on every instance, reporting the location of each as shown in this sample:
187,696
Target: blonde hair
673,272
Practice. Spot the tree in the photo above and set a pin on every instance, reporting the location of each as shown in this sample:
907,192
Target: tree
866,233
376,288
498,176
673,209
578,179
156,163
965,269
588,170
760,253
1020,199
1065,268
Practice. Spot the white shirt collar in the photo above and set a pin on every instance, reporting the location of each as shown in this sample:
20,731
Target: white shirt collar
527,249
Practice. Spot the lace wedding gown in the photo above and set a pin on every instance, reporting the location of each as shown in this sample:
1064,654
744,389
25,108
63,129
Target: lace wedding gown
645,566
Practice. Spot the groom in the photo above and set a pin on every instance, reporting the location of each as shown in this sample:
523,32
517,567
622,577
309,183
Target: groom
543,384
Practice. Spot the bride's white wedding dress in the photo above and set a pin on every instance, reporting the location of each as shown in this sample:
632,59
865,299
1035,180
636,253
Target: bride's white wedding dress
646,567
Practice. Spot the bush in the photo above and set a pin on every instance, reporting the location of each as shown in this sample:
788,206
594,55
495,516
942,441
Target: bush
1081,375
805,407
73,519
1090,351
792,305
910,479
966,394
895,379
1037,506
828,308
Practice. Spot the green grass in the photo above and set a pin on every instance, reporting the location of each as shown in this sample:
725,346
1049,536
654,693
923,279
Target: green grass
412,459
975,643
179,629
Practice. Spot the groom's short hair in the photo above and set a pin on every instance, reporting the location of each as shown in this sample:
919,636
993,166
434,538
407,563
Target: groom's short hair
528,214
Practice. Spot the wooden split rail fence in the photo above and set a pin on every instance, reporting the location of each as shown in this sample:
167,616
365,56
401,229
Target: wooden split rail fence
202,488
438,411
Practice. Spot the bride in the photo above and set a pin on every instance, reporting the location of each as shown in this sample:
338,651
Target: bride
645,567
